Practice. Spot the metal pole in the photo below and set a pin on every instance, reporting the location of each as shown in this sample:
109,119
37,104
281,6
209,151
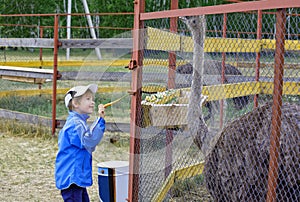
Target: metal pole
277,104
223,70
172,55
41,51
257,61
171,84
92,31
55,55
136,92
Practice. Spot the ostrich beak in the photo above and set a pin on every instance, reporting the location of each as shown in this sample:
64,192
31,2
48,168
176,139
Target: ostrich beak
203,99
184,19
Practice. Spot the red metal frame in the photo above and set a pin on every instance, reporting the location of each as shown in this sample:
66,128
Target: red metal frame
41,51
277,104
257,61
136,91
55,56
172,55
221,9
171,84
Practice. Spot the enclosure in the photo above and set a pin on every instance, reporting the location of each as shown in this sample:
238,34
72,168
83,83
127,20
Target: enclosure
246,56
251,55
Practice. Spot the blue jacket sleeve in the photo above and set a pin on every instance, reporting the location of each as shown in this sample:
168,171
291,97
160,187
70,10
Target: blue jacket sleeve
94,134
88,137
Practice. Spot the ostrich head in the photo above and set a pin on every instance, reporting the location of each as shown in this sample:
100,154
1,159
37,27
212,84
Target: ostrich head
196,25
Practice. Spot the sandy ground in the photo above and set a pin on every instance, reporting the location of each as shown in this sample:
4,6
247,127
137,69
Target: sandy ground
27,167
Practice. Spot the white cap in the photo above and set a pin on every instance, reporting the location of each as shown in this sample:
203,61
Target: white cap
78,91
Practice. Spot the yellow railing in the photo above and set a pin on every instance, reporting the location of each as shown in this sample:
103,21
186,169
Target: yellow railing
214,92
179,174
124,63
167,41
33,92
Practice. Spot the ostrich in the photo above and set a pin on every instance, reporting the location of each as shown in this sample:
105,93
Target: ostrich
209,67
237,159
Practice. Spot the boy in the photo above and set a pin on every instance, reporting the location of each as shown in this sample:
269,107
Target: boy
76,142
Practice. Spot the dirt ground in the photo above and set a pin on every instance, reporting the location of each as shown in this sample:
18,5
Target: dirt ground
27,167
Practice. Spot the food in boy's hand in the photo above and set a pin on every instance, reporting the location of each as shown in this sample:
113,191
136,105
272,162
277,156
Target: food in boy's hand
114,102
101,110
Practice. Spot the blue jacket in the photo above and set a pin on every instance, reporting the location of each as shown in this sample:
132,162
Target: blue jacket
76,142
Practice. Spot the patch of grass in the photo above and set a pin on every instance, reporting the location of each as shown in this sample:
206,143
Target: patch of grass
191,189
17,128
42,105
37,105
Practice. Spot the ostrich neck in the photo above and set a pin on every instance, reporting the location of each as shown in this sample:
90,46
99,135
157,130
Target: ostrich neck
198,61
197,125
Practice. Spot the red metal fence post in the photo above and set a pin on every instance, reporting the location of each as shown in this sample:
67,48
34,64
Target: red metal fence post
277,104
41,51
55,55
172,55
171,84
136,92
257,61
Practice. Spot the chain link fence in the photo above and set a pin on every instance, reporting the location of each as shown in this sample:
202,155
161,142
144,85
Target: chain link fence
28,58
237,106
73,26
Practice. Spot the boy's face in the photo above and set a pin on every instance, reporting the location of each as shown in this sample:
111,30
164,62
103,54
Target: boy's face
85,105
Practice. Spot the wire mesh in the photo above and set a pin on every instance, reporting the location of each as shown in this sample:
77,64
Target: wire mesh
237,162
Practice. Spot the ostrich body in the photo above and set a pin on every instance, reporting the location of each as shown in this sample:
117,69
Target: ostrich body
237,159
213,67
237,167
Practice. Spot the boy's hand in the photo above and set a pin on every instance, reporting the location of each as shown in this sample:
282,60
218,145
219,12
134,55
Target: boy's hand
101,110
